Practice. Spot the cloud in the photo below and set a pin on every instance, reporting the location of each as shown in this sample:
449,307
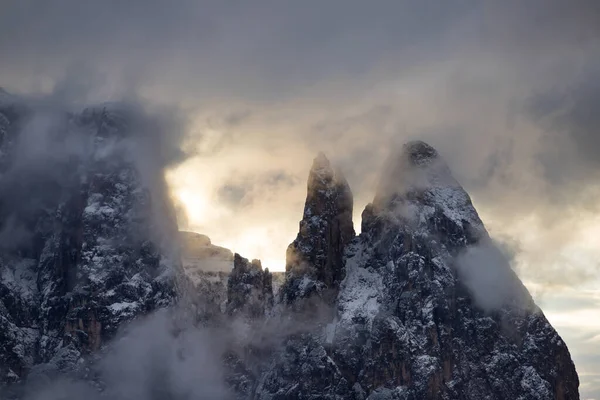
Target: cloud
505,91
568,114
150,359
485,271
50,145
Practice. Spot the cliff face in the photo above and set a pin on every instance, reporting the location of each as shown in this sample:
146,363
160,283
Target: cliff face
414,319
420,305
81,248
314,261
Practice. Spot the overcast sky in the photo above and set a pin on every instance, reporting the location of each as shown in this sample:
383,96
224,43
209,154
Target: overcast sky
507,91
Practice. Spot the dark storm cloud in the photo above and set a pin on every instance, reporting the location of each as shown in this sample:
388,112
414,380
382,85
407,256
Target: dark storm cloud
505,90
242,48
571,118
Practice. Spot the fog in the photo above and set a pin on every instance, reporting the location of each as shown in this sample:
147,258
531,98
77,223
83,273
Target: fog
486,272
153,358
505,90
49,151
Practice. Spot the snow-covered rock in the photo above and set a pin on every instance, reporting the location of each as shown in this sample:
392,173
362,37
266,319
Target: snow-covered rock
83,231
314,261
421,305
410,322
249,289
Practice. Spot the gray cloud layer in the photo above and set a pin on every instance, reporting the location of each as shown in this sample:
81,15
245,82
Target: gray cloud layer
506,90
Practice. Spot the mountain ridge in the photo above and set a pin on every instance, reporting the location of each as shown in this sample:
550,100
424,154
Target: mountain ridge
408,312
420,305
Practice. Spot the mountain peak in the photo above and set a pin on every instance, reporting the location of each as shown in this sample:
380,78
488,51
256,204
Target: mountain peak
419,152
321,161
249,288
415,167
314,261
324,183
416,184
321,172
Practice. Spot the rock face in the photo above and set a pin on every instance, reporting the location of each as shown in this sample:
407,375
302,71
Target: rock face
249,289
414,321
80,249
421,305
315,260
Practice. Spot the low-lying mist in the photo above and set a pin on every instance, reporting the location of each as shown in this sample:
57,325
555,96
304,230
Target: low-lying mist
486,271
151,359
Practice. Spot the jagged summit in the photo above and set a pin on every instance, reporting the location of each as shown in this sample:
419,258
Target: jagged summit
95,258
416,185
423,310
321,162
314,260
249,288
415,167
419,152
416,315
325,182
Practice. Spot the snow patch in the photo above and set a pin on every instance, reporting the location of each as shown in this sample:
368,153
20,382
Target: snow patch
20,277
117,308
360,293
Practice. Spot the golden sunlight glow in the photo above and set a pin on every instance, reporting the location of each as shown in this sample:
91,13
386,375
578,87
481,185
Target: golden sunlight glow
196,205
274,265
254,234
257,243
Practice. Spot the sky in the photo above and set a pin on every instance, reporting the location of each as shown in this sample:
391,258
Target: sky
507,91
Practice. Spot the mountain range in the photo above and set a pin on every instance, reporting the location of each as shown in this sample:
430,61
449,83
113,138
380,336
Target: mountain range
422,304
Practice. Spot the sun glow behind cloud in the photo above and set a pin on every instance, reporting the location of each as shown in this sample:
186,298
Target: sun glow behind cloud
278,83
253,230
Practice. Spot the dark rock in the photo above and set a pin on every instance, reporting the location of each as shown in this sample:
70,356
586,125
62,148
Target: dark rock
410,322
91,254
403,311
314,261
249,289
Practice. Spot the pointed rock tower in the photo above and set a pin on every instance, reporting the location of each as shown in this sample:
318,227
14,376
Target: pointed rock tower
428,308
314,261
249,288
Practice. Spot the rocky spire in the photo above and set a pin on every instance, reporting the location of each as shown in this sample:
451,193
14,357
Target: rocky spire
415,167
92,259
428,308
418,188
430,267
249,288
314,261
